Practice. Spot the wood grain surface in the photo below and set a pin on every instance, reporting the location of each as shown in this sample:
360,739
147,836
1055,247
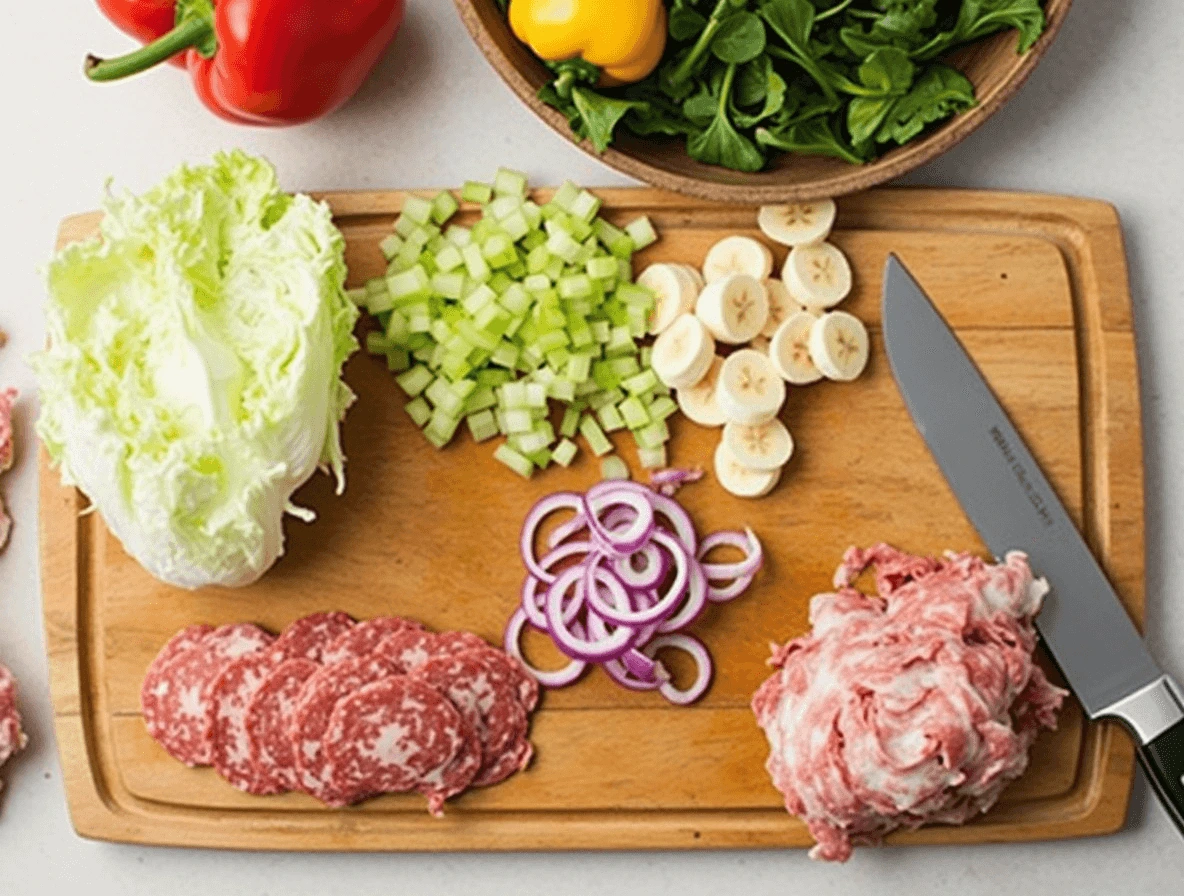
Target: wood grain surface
1036,287
992,65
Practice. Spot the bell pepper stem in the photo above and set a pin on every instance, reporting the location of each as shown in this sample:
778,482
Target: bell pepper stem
188,34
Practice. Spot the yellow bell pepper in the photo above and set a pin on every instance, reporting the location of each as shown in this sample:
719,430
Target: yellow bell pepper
624,38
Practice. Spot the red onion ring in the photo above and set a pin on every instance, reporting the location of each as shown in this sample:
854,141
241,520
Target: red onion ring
693,604
559,678
538,513
699,653
619,672
650,576
745,541
619,541
666,604
606,647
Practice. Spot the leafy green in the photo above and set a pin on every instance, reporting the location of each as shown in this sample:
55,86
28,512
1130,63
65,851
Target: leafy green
743,79
192,376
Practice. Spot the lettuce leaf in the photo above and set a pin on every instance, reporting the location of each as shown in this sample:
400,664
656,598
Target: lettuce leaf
192,376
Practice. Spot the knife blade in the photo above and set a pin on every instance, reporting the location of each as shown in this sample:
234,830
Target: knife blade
1013,507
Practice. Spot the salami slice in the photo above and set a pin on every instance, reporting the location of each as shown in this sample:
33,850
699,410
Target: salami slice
457,642
12,738
456,775
175,695
365,636
230,696
406,649
307,638
390,735
490,706
504,670
269,720
310,720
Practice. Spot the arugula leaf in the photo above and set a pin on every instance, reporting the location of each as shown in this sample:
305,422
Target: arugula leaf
752,81
774,103
901,23
599,115
686,23
793,21
979,18
814,137
939,93
740,38
888,70
721,143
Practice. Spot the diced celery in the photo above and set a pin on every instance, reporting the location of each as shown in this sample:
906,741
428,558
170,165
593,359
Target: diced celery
481,398
635,294
397,360
540,458
641,232
604,376
444,206
620,343
515,461
391,245
652,458
476,336
584,206
663,407
479,298
566,195
571,421
499,250
654,435
530,442
624,367
562,389
449,258
502,207
639,320
535,395
508,182
516,299
505,355
447,402
602,268
519,420
602,330
492,378
441,428
613,467
579,368
607,396
493,319
634,412
450,286
397,330
377,343
405,225
575,287
597,440
610,418
554,268
646,355
409,286
641,382
515,225
475,263
417,209
474,191
565,452
562,244
512,395
458,236
482,425
415,380
419,411
501,281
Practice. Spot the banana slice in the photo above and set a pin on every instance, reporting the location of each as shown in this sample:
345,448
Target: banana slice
839,346
790,350
699,403
674,294
683,352
799,223
781,306
768,446
742,481
749,390
738,255
695,275
817,276
734,308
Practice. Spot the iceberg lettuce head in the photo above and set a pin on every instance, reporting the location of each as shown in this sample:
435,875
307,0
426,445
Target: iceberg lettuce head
192,375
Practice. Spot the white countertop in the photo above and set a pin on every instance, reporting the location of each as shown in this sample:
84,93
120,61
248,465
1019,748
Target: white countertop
1101,117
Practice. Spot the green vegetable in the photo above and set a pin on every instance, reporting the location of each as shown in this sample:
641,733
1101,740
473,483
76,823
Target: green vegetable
529,305
744,79
192,377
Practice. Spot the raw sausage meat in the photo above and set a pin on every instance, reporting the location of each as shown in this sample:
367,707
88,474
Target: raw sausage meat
364,637
230,697
269,720
307,638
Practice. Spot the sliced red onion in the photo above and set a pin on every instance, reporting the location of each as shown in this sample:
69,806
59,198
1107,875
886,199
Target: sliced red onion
699,653
649,576
558,678
618,612
541,510
643,667
745,541
728,592
667,482
619,672
693,604
599,647
624,540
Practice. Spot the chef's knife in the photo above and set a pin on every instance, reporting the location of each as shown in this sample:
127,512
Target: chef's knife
1013,507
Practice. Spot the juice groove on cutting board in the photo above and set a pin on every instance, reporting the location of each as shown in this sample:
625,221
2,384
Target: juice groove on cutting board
1036,287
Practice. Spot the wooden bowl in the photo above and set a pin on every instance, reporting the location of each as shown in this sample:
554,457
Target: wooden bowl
993,65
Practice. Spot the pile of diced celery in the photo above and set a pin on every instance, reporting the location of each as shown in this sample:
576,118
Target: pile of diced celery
532,304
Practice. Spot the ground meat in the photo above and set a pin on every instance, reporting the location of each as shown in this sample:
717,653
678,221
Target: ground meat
390,735
230,697
363,638
308,638
915,706
269,722
310,720
12,738
175,695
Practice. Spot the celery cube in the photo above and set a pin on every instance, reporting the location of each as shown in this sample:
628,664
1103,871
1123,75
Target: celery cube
585,206
641,232
390,246
641,382
652,458
482,425
474,191
662,408
415,380
564,453
634,412
417,209
475,263
597,440
565,196
610,418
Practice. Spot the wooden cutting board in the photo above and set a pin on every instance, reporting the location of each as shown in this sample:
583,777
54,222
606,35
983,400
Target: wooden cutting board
1036,286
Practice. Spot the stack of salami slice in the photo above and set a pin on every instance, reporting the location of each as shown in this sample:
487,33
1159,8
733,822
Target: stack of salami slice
342,710
12,738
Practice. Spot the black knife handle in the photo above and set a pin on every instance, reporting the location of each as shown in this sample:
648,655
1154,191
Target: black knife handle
1163,761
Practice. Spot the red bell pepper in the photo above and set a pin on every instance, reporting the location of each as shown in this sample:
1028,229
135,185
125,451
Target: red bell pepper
145,20
263,62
